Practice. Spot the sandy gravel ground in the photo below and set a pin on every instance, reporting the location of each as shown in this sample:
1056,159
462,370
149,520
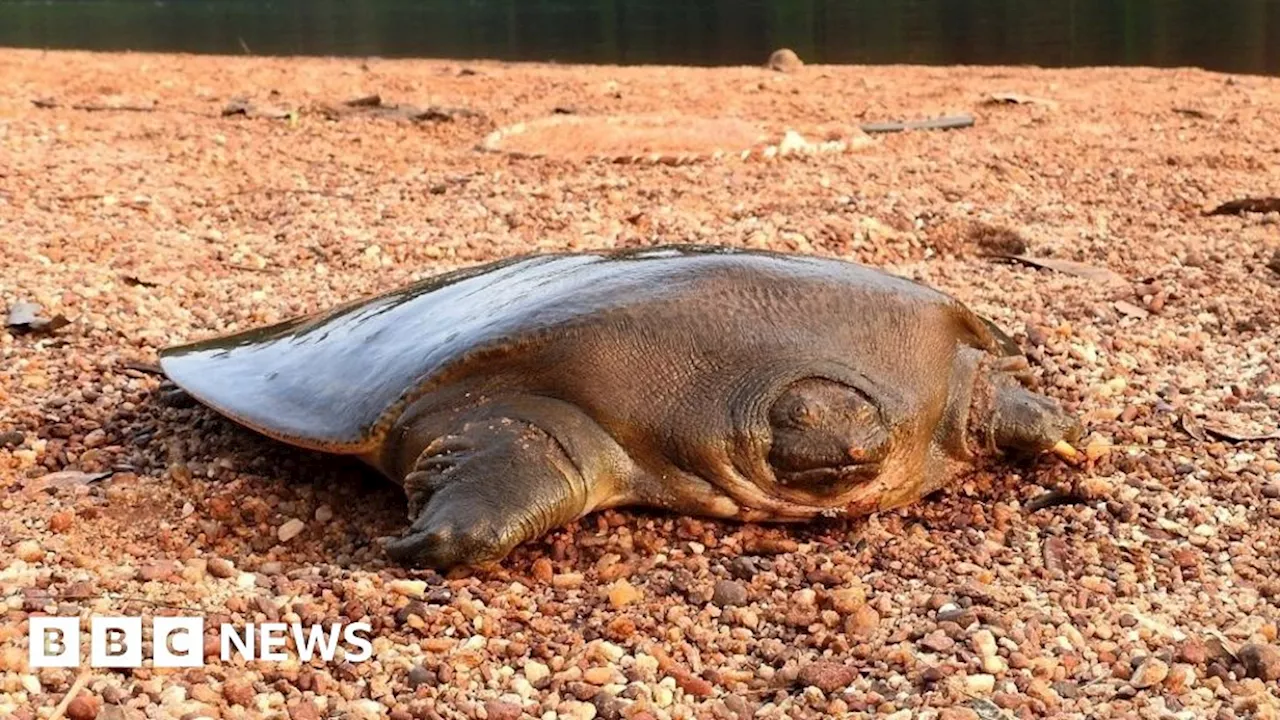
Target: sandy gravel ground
1150,588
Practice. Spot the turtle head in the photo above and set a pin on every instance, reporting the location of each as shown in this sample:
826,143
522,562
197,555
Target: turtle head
841,446
1004,417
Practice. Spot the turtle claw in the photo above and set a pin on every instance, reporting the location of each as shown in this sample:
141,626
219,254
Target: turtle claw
438,543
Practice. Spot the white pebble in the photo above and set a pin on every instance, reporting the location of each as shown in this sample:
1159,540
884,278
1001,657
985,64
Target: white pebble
291,529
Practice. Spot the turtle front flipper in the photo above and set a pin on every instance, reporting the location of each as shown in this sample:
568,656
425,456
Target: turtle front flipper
501,478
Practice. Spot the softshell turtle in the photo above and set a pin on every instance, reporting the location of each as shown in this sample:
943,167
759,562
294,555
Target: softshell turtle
511,398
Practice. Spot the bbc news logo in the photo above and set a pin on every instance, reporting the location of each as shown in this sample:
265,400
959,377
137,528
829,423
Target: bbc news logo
117,642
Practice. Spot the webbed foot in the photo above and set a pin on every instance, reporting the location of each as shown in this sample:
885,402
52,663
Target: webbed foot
475,495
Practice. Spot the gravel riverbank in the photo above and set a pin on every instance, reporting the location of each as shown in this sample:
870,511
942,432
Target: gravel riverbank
154,199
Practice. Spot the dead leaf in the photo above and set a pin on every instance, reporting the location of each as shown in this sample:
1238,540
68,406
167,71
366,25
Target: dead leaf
1192,428
1202,429
1069,267
243,107
942,123
1232,435
66,479
1247,205
1131,310
1195,113
136,281
1017,99
26,317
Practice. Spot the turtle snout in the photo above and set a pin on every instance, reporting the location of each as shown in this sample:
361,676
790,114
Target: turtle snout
1023,422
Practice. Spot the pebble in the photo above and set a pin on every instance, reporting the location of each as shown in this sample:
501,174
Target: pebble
1261,661
502,710
597,675
221,568
408,588
291,529
567,581
536,672
28,550
862,622
83,707
418,675
542,570
728,593
846,601
577,710
324,514
785,60
366,710
984,643
61,521
743,567
303,710
937,641
979,684
1151,672
827,676
238,693
622,593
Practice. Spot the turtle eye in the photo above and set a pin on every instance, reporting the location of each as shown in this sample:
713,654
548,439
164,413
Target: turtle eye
827,437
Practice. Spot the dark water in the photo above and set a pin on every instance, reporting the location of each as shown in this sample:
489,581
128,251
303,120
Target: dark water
1229,35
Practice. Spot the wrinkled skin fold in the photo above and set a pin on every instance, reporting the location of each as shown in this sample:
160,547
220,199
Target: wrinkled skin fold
513,398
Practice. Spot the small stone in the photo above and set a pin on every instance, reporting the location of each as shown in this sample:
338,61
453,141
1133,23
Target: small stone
937,641
28,551
238,693
536,672
324,514
408,588
95,438
979,684
542,570
1261,661
598,675
862,622
743,567
12,439
622,593
984,643
785,60
84,707
418,675
607,706
221,568
827,676
158,570
1151,672
303,710
567,581
577,710
846,601
291,529
1274,264
962,617
502,710
1192,651
728,593
61,521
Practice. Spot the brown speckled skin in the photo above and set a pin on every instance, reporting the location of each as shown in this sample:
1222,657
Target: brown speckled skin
511,398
